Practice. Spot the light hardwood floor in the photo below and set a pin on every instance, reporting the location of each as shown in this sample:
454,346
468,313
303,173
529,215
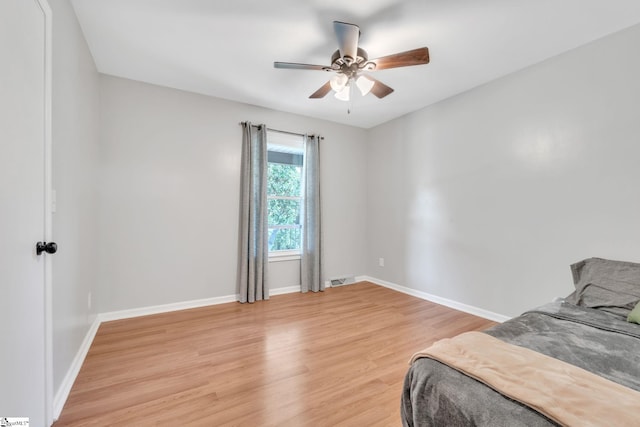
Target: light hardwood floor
336,358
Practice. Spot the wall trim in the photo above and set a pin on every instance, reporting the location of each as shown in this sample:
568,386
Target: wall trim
285,290
62,394
476,311
164,308
184,305
65,387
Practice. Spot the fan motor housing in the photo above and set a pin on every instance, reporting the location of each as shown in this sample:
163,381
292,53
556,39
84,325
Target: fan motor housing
348,68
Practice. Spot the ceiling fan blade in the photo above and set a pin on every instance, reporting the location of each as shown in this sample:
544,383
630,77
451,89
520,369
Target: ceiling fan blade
348,36
403,59
379,89
320,93
295,66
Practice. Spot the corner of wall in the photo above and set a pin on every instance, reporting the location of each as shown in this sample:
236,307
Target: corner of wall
476,311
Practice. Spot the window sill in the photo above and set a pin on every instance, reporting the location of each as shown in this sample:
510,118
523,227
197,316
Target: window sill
284,257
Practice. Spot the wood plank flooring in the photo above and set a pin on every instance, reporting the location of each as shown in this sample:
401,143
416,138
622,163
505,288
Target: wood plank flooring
336,358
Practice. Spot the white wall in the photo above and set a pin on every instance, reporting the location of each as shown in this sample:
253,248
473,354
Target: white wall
487,197
169,194
75,138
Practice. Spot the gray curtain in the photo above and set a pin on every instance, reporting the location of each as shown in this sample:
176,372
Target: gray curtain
311,261
254,254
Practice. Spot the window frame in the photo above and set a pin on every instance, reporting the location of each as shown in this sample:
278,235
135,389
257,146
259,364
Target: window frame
289,143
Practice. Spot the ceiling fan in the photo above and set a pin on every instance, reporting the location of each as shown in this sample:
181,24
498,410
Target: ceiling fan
349,62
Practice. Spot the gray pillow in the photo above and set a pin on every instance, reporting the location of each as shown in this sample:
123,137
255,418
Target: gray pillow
612,286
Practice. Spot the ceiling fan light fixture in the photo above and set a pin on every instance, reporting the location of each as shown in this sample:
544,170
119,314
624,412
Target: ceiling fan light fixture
364,84
343,95
338,82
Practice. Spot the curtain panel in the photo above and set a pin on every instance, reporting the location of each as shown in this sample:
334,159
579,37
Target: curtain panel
311,257
254,254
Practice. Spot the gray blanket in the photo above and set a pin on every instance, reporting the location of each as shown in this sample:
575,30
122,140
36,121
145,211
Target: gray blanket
599,342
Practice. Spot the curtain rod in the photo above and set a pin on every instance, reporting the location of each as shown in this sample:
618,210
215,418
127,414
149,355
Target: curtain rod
282,131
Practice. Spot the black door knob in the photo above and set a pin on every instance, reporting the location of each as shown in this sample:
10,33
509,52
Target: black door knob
50,248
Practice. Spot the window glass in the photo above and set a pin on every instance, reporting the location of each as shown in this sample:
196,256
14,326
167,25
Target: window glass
284,192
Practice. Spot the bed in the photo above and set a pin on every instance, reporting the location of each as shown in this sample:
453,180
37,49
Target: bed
592,330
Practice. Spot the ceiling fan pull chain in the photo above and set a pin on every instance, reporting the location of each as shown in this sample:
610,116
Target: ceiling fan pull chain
351,93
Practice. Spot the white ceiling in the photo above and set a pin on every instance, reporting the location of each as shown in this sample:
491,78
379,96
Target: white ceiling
227,48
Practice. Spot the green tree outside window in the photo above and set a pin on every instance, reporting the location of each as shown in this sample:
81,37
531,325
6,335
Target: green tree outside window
284,203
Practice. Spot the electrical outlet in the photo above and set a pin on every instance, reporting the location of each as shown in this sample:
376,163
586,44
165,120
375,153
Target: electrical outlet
381,262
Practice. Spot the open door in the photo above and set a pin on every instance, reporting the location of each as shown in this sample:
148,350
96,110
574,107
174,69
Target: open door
25,215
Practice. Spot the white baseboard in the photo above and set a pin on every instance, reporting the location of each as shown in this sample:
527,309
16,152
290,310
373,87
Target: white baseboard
436,299
285,290
62,394
164,308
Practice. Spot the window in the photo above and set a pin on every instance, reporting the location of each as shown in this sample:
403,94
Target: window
285,157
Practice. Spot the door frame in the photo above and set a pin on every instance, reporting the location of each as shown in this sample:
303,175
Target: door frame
48,207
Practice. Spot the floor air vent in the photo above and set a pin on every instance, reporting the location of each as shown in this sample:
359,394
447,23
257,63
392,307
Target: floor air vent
341,281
